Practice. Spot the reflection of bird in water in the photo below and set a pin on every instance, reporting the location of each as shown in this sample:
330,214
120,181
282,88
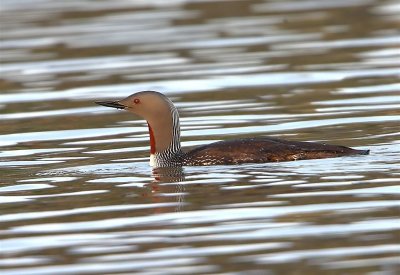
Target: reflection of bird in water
163,187
165,148
168,174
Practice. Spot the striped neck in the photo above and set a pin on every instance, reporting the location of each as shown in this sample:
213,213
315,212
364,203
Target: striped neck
165,144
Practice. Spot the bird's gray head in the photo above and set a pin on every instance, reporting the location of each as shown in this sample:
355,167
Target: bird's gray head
149,105
160,114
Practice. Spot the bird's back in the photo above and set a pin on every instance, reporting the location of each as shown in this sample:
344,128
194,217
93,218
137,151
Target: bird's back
265,149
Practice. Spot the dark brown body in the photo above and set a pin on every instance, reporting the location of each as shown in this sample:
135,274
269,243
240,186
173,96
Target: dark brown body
267,149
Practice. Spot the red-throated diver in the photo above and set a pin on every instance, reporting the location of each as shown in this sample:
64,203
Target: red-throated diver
165,148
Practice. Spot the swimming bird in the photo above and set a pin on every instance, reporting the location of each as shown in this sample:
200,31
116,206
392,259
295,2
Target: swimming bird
165,147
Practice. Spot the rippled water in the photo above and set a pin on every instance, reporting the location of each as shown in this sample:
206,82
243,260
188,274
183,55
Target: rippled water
78,196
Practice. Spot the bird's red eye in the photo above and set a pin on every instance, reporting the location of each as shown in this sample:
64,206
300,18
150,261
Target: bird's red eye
136,101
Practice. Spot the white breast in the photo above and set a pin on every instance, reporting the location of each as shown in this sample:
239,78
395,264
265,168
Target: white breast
152,160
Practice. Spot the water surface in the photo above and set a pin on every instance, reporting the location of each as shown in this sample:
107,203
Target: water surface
77,195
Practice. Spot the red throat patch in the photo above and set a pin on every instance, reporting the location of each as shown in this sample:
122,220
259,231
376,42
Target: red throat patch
152,140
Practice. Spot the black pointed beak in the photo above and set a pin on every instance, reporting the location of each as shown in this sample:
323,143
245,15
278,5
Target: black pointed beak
112,104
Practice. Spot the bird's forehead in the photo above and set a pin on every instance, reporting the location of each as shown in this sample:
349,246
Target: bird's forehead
133,96
145,97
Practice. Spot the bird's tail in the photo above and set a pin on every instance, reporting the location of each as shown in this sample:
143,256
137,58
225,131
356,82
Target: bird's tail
363,152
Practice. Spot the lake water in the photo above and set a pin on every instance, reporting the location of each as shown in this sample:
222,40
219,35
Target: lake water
77,195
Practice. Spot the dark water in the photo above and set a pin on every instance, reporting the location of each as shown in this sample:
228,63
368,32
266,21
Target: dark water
78,196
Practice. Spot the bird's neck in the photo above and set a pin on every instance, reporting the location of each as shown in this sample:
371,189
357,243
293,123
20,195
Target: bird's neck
165,144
